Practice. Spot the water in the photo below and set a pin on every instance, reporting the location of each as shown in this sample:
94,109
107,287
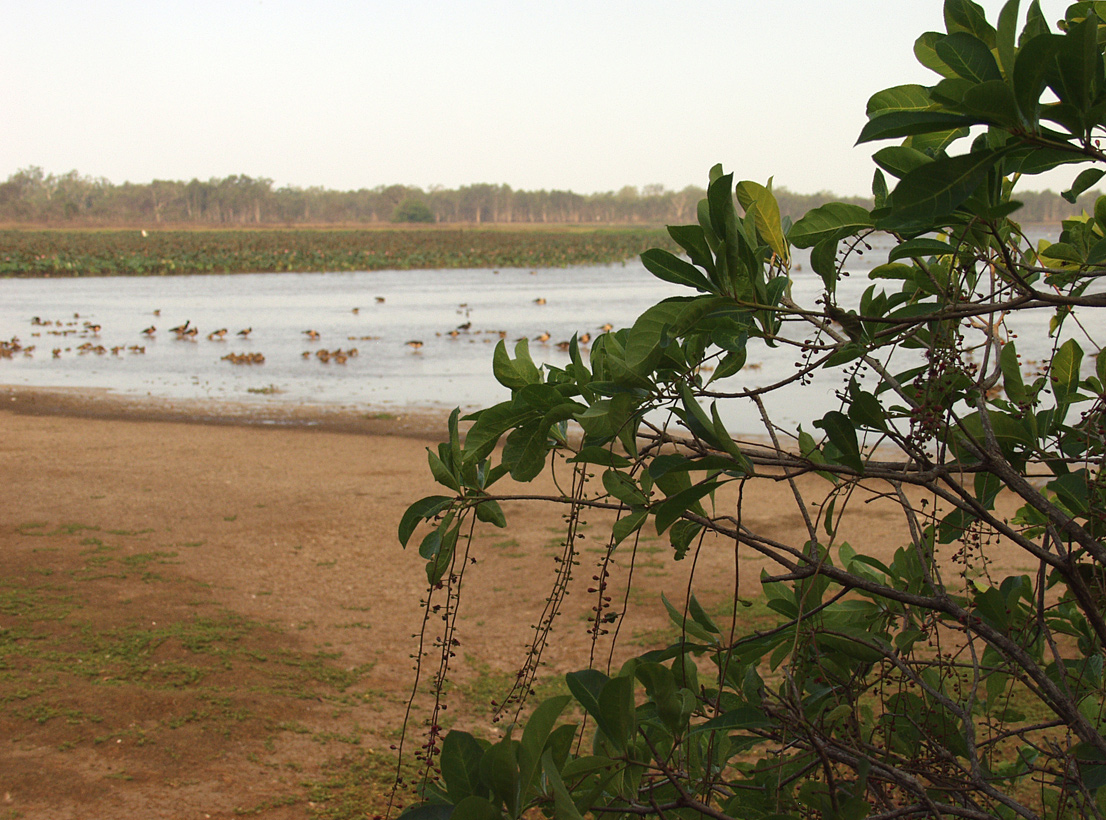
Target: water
377,313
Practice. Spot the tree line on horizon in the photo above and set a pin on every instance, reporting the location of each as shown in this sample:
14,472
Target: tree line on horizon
33,196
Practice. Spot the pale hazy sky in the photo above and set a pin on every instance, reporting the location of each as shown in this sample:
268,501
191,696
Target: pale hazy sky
586,95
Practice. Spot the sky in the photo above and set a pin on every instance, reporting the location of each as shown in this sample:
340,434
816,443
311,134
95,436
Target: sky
581,95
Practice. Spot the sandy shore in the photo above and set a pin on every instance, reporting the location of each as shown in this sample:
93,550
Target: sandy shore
286,518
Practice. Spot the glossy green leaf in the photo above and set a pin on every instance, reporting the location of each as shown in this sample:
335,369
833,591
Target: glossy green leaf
1012,383
499,771
899,98
993,103
624,488
1064,373
669,510
423,509
736,719
504,369
905,123
627,525
649,331
925,49
525,450
900,160
490,512
964,16
671,268
617,717
491,424
539,726
834,219
941,186
968,57
842,435
460,765
563,803
441,473
601,456
1082,183
692,239
1033,65
766,215
1006,36
919,248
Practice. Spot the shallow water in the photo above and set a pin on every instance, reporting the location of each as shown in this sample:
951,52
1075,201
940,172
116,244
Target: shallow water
375,312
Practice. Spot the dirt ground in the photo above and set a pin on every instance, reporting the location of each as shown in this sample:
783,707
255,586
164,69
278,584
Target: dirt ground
207,614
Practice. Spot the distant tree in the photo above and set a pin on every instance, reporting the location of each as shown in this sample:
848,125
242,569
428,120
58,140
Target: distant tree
412,210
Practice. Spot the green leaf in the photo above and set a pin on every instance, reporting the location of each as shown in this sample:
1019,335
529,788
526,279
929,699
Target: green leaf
499,771
441,473
1005,36
673,507
766,215
695,609
968,57
938,188
694,242
925,49
428,811
1064,373
993,103
534,737
842,435
899,98
834,219
671,268
1033,65
475,808
964,16
900,160
617,717
525,449
627,525
905,123
624,488
1012,383
920,247
737,719
601,456
648,331
423,509
491,423
460,764
686,625
504,369
585,686
489,511
562,800
1082,182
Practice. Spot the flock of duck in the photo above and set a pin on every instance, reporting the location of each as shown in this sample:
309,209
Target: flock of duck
88,333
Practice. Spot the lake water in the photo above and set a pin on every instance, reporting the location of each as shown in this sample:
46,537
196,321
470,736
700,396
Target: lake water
375,312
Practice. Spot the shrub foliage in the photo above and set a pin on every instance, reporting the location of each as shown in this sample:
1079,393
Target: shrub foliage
924,683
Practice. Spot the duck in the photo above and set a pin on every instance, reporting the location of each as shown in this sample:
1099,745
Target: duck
539,301
542,337
312,334
244,332
181,328
150,331
217,335
414,343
